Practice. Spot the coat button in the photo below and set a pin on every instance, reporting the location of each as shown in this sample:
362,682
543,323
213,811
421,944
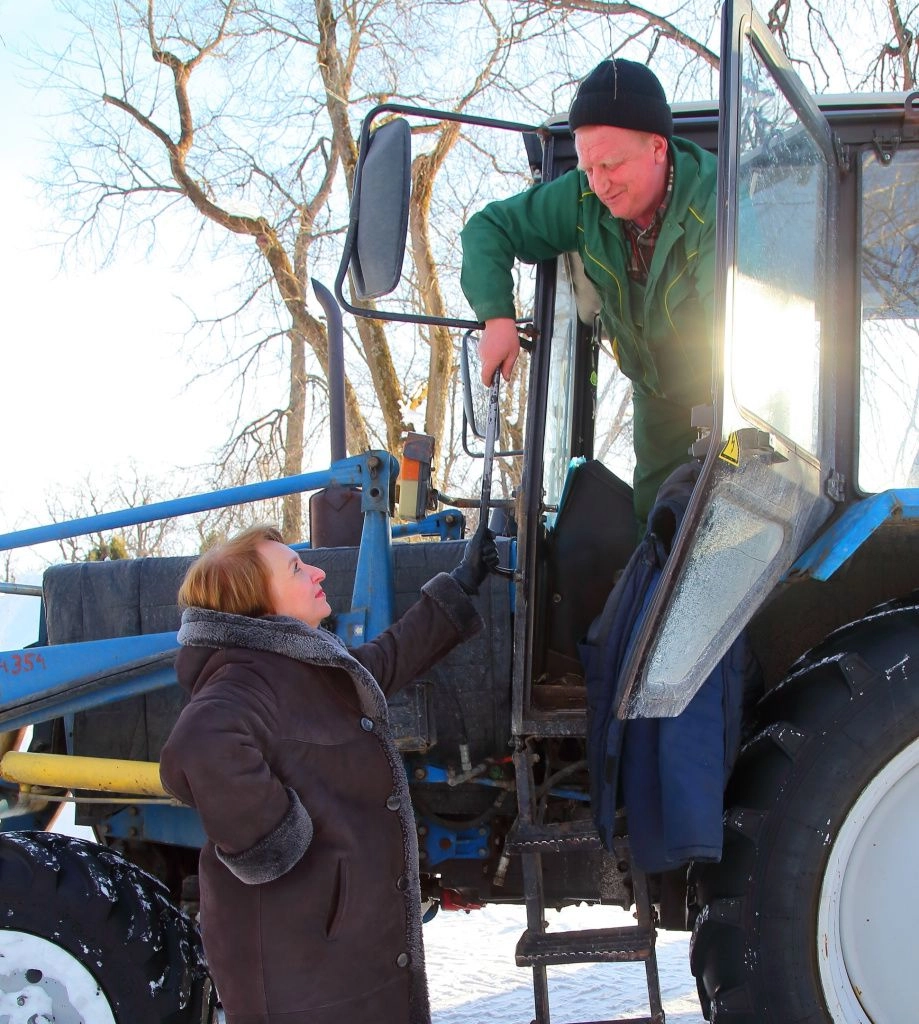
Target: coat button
367,724
402,883
402,960
393,803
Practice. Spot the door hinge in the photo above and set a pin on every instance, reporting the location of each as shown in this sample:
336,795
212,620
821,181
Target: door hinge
703,419
836,486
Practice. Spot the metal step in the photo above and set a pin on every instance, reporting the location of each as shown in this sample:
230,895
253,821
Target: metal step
624,1020
537,948
598,945
525,837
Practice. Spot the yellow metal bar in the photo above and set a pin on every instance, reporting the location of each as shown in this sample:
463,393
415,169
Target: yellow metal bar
96,773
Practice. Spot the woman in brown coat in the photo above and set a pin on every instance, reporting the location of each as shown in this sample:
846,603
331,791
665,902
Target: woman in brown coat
310,897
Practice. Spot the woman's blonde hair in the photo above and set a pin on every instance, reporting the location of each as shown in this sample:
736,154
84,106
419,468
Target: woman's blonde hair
231,577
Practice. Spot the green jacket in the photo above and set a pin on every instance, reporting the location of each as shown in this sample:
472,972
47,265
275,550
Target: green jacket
662,339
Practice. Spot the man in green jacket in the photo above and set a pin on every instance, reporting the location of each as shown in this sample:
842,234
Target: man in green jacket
640,210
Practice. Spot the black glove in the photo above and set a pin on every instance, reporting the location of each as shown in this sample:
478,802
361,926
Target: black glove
479,558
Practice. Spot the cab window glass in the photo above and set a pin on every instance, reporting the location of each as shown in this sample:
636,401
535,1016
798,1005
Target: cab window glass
781,243
613,407
613,420
888,440
560,397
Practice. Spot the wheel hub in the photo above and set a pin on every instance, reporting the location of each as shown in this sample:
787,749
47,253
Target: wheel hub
869,901
41,983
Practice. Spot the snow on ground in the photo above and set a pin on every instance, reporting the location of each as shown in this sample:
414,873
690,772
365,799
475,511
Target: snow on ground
473,978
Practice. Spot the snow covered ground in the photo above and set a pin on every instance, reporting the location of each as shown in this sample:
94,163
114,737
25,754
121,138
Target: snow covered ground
473,978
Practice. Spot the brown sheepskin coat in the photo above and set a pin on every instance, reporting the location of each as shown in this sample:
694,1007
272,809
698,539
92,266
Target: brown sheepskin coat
310,898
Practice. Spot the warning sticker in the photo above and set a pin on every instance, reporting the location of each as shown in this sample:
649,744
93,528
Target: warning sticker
730,453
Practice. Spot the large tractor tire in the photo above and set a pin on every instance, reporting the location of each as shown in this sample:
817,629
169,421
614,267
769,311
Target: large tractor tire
810,917
88,938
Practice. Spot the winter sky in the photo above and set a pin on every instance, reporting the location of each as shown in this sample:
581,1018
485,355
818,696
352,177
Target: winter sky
95,372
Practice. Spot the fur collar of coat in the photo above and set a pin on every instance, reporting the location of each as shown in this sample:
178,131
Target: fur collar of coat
281,634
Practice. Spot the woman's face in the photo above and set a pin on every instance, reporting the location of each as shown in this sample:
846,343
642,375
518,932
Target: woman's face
294,587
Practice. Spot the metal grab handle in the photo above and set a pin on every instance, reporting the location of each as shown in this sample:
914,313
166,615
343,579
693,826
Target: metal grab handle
491,433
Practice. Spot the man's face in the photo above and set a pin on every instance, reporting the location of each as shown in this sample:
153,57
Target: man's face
627,170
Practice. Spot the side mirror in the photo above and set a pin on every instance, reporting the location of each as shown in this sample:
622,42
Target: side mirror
380,209
374,248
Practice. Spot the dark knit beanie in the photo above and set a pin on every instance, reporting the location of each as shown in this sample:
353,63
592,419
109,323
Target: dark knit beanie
623,94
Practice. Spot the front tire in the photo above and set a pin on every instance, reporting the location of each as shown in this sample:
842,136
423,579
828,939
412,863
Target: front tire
809,916
88,938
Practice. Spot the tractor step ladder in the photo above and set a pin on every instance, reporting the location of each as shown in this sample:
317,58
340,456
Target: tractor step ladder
538,948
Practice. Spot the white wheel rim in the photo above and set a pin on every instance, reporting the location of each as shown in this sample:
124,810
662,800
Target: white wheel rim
41,983
869,902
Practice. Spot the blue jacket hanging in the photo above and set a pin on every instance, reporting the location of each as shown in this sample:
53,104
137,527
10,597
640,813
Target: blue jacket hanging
668,774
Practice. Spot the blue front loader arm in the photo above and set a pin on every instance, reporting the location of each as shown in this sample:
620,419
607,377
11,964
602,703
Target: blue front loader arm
41,683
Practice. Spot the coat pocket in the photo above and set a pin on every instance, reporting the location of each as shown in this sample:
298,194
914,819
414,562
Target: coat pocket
338,901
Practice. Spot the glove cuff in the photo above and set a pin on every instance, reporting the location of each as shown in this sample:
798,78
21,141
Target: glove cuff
466,578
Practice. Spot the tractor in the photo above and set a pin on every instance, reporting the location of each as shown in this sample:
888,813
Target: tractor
799,538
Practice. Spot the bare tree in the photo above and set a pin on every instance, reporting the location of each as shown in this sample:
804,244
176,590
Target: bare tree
241,113
835,47
230,125
643,25
131,489
182,48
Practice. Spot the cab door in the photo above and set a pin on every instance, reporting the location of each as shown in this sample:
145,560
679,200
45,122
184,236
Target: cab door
767,482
